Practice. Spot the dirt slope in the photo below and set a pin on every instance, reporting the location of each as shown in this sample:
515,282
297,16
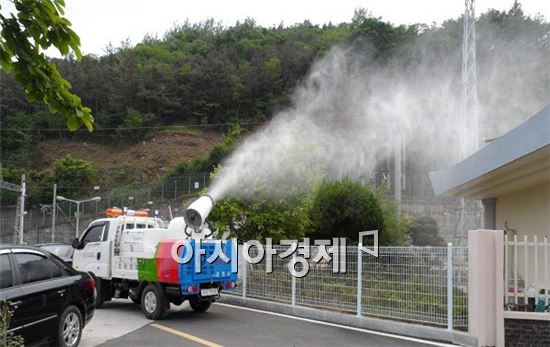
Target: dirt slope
148,160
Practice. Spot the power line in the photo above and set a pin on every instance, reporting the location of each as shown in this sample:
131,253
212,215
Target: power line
333,123
174,127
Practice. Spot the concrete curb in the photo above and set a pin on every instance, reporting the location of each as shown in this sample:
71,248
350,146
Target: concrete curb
381,325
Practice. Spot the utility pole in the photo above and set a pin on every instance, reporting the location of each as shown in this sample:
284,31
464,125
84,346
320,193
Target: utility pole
54,210
22,209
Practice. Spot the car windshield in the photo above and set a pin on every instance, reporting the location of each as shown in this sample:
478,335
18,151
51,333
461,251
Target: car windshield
63,251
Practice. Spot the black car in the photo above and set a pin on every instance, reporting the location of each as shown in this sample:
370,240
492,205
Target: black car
50,300
64,252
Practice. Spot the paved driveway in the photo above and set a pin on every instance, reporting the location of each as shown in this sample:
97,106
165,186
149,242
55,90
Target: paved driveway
121,323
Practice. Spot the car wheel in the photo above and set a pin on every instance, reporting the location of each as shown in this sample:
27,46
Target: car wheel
153,302
199,306
69,330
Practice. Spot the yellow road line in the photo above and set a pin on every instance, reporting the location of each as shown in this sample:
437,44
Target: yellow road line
185,335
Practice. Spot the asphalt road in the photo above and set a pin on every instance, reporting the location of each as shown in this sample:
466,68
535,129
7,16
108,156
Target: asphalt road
223,325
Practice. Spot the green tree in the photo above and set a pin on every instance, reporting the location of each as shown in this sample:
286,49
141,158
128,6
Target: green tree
368,31
133,121
73,176
343,209
36,26
425,232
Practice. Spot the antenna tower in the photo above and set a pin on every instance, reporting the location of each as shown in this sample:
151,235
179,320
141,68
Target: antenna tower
469,127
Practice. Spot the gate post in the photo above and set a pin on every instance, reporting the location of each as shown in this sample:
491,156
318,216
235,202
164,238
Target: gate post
485,281
293,284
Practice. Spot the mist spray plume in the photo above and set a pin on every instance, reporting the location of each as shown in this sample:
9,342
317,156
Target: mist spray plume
345,116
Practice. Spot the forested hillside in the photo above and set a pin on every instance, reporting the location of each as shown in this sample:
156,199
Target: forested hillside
210,76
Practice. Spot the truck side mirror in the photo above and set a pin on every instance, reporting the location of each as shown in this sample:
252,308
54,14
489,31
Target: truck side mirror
76,244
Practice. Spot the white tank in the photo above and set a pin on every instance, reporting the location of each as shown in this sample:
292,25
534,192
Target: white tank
177,226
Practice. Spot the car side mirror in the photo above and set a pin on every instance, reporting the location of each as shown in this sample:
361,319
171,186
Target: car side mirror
76,244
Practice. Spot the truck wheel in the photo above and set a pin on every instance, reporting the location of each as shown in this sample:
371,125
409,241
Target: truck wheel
69,328
199,306
153,302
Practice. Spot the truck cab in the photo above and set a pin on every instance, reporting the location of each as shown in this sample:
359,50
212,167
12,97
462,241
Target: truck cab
119,241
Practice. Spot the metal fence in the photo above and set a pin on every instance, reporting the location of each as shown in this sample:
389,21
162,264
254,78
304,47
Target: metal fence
417,200
448,213
39,220
425,285
173,192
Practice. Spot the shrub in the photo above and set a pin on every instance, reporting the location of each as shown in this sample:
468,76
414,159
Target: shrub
395,227
213,159
343,209
8,338
425,232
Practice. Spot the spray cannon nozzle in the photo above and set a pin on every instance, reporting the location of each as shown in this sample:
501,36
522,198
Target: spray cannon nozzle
196,213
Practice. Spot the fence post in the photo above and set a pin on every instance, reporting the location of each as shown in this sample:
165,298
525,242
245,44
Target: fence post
293,283
22,210
450,286
54,210
244,275
359,279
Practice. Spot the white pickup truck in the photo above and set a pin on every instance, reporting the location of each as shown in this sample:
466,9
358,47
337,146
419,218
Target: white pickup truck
129,256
